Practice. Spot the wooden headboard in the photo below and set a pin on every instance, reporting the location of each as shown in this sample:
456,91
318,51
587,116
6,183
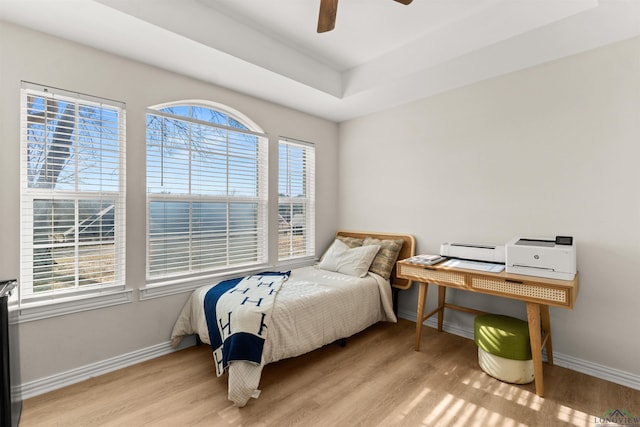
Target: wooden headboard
408,250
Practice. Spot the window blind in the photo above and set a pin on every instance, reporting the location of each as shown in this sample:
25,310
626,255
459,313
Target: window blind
296,201
72,193
206,192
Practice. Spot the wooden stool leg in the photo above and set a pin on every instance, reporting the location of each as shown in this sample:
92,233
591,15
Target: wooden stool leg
422,298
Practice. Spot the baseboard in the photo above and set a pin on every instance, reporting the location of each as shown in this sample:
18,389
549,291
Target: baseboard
613,375
54,382
63,379
596,370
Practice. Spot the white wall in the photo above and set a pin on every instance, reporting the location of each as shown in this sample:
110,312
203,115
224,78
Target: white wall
551,150
54,346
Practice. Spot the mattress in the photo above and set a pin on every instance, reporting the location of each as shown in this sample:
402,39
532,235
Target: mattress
313,308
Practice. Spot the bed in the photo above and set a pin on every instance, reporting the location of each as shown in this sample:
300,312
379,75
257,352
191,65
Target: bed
343,294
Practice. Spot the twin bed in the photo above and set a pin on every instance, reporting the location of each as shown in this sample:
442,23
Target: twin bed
350,289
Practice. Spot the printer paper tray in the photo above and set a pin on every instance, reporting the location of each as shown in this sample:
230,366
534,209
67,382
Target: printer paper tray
539,272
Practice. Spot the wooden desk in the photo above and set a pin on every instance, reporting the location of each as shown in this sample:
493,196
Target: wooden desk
537,292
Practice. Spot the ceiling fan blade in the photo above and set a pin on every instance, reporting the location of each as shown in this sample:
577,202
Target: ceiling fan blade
327,16
404,1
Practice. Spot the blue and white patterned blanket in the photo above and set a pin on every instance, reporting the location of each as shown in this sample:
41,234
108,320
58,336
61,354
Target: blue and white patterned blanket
238,313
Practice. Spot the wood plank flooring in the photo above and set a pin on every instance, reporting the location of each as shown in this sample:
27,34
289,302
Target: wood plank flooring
376,380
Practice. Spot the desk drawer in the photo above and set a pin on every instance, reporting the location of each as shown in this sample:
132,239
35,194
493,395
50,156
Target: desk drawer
522,290
425,274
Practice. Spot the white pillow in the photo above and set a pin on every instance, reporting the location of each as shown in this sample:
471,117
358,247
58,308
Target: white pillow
352,261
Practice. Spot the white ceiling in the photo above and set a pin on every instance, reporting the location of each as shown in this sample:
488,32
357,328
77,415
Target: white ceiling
381,53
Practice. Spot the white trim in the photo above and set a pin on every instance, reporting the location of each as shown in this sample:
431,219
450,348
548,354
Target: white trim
297,142
177,286
165,290
294,263
627,379
96,100
206,123
63,301
597,370
261,201
54,382
173,287
52,308
232,112
308,199
76,375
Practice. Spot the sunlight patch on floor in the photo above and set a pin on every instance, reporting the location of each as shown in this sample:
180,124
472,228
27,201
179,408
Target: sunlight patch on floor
445,409
452,410
399,416
574,417
411,406
506,391
528,400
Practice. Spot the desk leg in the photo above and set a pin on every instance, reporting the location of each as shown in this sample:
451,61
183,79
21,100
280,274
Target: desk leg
422,298
533,316
441,296
546,329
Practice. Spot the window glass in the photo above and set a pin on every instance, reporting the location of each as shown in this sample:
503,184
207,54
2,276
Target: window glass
296,202
206,192
72,197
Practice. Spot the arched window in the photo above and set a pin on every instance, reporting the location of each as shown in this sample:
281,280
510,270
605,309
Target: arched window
206,190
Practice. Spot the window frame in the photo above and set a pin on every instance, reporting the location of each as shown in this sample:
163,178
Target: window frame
42,304
308,200
160,285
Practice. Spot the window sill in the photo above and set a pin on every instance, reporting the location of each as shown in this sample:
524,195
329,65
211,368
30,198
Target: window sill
28,312
296,263
187,284
178,286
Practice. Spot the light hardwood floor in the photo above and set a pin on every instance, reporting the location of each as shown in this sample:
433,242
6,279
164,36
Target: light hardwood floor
376,380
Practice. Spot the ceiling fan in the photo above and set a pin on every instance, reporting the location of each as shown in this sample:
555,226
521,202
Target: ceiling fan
327,17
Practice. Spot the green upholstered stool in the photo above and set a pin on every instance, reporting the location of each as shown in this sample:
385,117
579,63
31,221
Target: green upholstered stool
504,350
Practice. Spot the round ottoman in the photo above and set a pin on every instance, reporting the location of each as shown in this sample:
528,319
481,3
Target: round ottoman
504,351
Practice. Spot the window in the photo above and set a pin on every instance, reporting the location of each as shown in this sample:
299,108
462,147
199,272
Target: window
206,191
296,202
72,194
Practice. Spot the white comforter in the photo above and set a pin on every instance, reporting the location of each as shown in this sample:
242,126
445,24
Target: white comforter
313,308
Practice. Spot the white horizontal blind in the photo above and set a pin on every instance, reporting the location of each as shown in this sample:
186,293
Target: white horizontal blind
296,201
72,193
206,192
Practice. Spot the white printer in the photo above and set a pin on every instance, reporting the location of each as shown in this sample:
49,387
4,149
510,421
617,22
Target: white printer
473,251
554,258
